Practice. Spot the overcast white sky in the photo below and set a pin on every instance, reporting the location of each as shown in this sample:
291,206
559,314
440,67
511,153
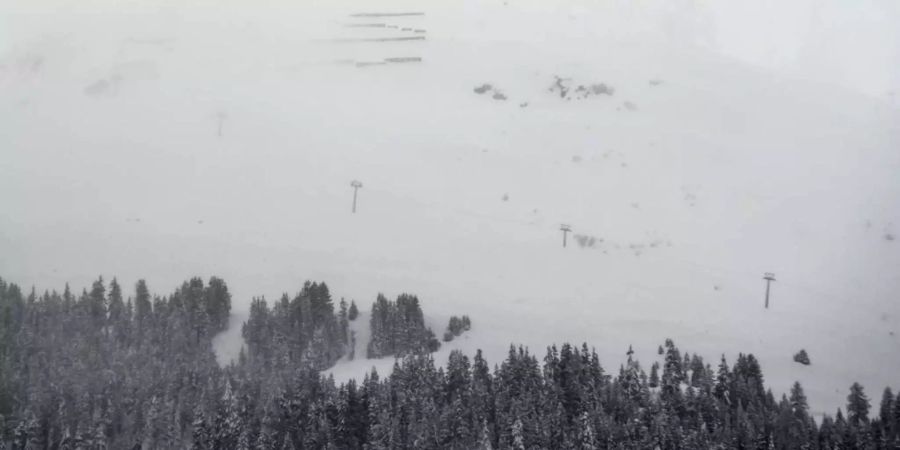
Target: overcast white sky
853,43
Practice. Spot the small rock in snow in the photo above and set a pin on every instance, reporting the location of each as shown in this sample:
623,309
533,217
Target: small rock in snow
483,88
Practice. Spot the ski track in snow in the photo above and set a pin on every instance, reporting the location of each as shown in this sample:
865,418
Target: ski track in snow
741,171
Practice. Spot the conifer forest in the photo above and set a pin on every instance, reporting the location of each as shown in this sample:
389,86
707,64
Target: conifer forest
118,367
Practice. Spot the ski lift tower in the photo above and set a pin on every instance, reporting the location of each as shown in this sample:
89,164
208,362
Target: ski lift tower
220,120
565,229
769,277
356,185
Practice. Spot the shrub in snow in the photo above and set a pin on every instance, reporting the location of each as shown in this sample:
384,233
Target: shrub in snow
585,241
601,88
560,86
802,358
593,90
485,88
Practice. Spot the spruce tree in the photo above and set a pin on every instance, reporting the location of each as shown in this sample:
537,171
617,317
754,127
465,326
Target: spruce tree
97,301
343,318
353,312
896,415
698,370
586,436
116,304
654,375
484,437
201,436
857,405
142,305
886,408
723,382
798,401
673,373
517,435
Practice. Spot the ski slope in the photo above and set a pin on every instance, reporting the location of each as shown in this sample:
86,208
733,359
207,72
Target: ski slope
163,142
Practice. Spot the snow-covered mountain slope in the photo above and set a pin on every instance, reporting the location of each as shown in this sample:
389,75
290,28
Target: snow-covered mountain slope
696,176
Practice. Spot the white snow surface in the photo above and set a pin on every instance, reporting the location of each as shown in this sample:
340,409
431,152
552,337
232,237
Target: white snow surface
111,163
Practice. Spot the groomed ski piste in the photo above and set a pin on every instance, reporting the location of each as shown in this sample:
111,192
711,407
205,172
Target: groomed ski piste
209,138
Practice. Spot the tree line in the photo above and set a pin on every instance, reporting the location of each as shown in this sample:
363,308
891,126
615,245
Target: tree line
398,328
299,331
98,370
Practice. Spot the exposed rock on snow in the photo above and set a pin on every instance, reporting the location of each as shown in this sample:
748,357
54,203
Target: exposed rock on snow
562,87
483,88
97,88
486,88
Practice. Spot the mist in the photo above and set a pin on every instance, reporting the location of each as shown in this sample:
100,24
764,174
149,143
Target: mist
611,172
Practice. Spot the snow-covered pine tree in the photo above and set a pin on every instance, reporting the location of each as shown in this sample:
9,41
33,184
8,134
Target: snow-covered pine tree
484,437
886,408
586,436
857,405
654,375
697,370
896,421
722,388
517,435
343,320
353,312
229,422
673,372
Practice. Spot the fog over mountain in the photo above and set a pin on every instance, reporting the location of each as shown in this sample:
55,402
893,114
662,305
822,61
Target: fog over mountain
444,149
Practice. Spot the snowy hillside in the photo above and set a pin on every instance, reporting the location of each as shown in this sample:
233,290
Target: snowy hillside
166,142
